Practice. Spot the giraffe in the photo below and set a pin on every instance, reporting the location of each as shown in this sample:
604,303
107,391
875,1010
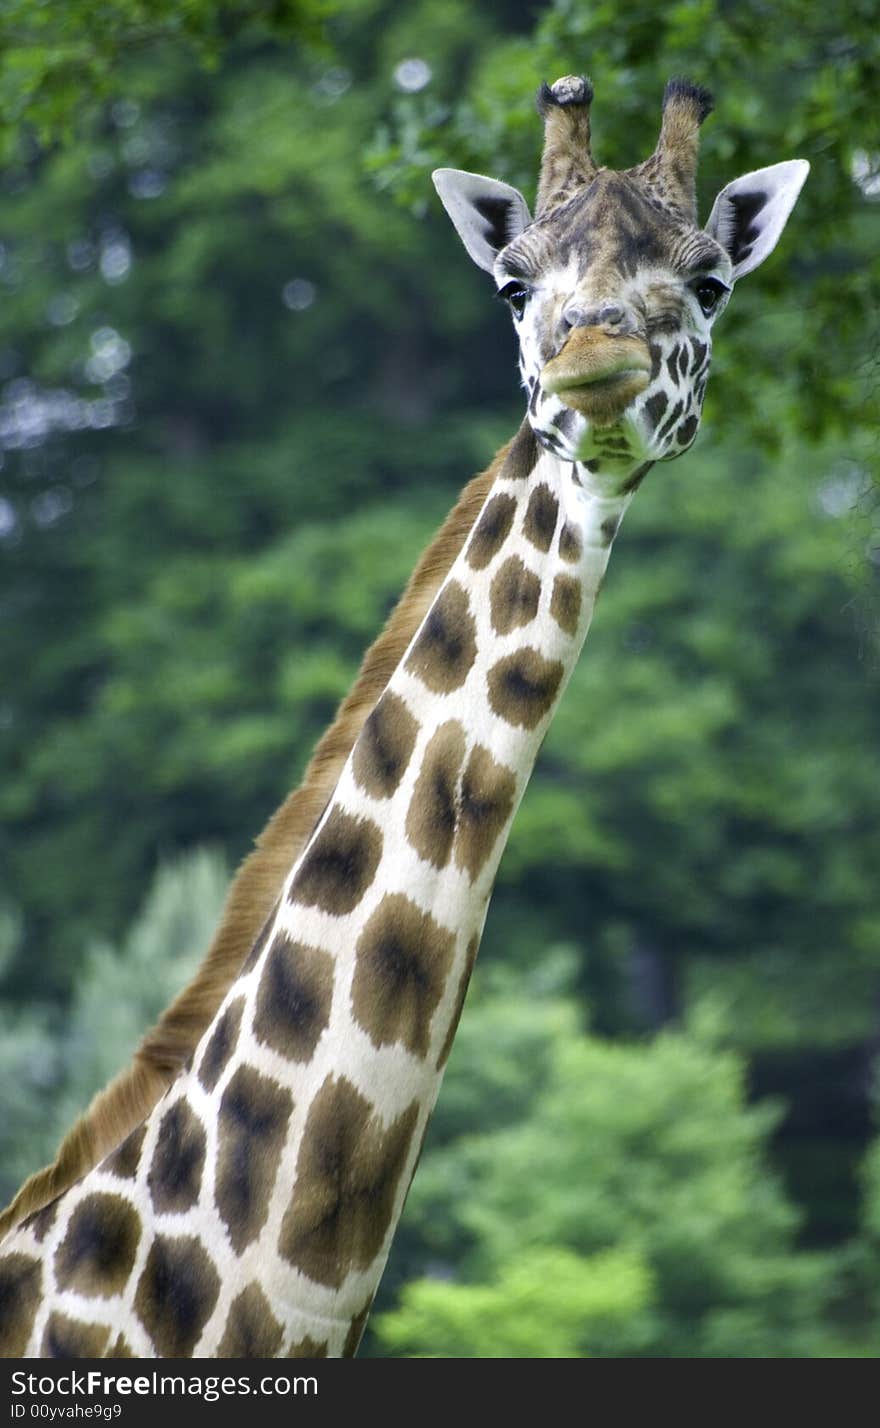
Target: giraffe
241,1199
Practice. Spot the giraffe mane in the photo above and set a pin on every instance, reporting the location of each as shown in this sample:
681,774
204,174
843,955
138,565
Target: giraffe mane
166,1048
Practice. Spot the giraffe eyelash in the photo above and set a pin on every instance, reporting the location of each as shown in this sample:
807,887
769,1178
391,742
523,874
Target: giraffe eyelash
709,292
516,295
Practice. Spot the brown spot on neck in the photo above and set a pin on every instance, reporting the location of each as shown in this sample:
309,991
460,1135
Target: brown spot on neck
20,1292
124,1161
175,1176
488,790
491,531
254,1115
385,746
252,1331
176,1294
98,1251
66,1338
294,997
356,1331
348,1173
540,518
571,545
403,960
446,648
221,1044
514,596
432,814
339,865
523,687
565,605
473,948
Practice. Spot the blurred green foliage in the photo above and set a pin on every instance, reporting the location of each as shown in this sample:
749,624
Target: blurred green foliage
60,59
244,368
546,1303
641,1163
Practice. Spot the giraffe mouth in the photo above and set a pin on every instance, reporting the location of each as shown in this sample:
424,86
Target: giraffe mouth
597,375
604,398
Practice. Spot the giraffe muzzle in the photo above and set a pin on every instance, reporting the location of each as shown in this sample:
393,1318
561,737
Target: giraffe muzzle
598,375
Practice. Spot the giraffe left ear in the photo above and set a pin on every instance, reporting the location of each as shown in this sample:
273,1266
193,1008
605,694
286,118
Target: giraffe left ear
487,214
749,215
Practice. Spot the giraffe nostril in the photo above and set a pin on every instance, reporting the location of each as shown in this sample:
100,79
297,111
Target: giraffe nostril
574,315
611,314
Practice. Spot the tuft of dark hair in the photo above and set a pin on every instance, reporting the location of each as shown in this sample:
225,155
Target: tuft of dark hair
684,89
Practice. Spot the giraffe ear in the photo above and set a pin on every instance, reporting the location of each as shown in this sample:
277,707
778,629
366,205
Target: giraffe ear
487,214
749,215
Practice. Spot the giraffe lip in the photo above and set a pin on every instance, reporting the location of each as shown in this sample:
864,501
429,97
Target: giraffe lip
588,369
603,396
598,375
607,379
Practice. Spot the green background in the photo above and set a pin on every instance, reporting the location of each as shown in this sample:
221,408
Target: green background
245,366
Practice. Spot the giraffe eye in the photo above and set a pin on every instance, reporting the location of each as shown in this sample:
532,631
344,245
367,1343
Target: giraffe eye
709,292
516,295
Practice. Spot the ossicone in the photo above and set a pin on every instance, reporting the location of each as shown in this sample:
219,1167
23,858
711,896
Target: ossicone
567,161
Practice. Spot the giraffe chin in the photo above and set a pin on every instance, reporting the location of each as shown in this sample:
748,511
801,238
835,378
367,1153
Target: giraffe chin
610,448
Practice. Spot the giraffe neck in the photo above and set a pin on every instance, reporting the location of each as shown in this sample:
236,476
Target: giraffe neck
263,1192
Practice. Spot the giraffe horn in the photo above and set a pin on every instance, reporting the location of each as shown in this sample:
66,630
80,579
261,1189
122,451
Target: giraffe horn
685,106
567,163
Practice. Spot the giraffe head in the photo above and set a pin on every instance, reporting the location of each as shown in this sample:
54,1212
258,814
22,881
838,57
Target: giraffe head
613,286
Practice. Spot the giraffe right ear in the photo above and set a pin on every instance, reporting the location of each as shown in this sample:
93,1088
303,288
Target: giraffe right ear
749,214
487,214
